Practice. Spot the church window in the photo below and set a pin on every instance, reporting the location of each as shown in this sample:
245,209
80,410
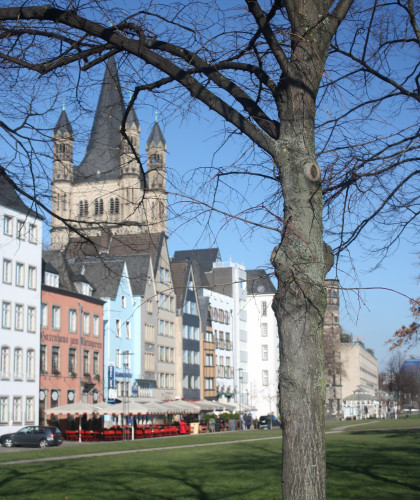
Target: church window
153,210
99,206
114,206
64,202
57,202
161,210
83,208
62,148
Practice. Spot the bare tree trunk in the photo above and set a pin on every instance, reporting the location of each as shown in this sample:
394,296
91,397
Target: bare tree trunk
300,303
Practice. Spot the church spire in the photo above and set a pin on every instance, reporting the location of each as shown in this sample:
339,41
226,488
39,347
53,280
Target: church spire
156,139
103,153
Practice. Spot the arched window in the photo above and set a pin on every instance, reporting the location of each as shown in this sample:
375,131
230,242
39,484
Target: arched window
64,202
99,206
114,206
83,208
57,202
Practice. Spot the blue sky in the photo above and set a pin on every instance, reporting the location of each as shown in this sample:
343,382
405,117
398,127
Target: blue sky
194,138
377,303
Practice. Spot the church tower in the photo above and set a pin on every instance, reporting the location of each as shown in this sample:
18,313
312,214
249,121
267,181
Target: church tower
63,138
156,180
108,192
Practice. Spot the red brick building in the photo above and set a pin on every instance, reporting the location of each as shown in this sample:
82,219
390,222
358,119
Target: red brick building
71,353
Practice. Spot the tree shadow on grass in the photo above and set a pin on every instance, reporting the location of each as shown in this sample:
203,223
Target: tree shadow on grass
237,471
386,463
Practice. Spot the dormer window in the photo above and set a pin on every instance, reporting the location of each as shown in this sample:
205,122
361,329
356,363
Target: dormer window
52,279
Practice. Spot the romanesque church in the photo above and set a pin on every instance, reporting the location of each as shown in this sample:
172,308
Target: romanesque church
109,193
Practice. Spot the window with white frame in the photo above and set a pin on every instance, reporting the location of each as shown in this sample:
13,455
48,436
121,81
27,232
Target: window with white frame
6,314
20,274
265,377
7,271
20,230
44,315
264,308
4,409
7,226
127,360
17,410
209,359
30,410
96,324
209,383
32,234
32,277
128,330
31,320
56,317
52,279
19,317
30,364
72,320
118,328
86,323
5,362
264,352
264,329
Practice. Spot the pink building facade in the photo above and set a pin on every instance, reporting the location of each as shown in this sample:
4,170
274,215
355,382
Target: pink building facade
71,352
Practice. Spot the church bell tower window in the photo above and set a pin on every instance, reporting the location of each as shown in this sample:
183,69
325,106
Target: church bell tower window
114,206
99,206
83,208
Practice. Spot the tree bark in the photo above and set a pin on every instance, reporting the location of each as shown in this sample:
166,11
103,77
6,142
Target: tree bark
300,266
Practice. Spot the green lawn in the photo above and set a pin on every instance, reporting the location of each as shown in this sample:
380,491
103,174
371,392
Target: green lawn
362,462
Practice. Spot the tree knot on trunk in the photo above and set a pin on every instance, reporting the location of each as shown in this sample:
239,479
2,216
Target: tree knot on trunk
312,171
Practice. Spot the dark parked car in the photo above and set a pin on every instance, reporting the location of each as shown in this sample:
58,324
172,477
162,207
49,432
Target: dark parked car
268,421
33,435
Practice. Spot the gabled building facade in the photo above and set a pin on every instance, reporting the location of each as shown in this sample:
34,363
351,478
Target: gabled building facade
263,343
187,326
71,353
20,295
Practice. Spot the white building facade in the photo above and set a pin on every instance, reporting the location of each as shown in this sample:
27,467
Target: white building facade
229,278
20,292
221,315
263,345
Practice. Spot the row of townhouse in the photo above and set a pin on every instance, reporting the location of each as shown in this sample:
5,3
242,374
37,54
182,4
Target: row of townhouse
112,316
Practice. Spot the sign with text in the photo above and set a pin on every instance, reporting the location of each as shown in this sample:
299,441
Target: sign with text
111,377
